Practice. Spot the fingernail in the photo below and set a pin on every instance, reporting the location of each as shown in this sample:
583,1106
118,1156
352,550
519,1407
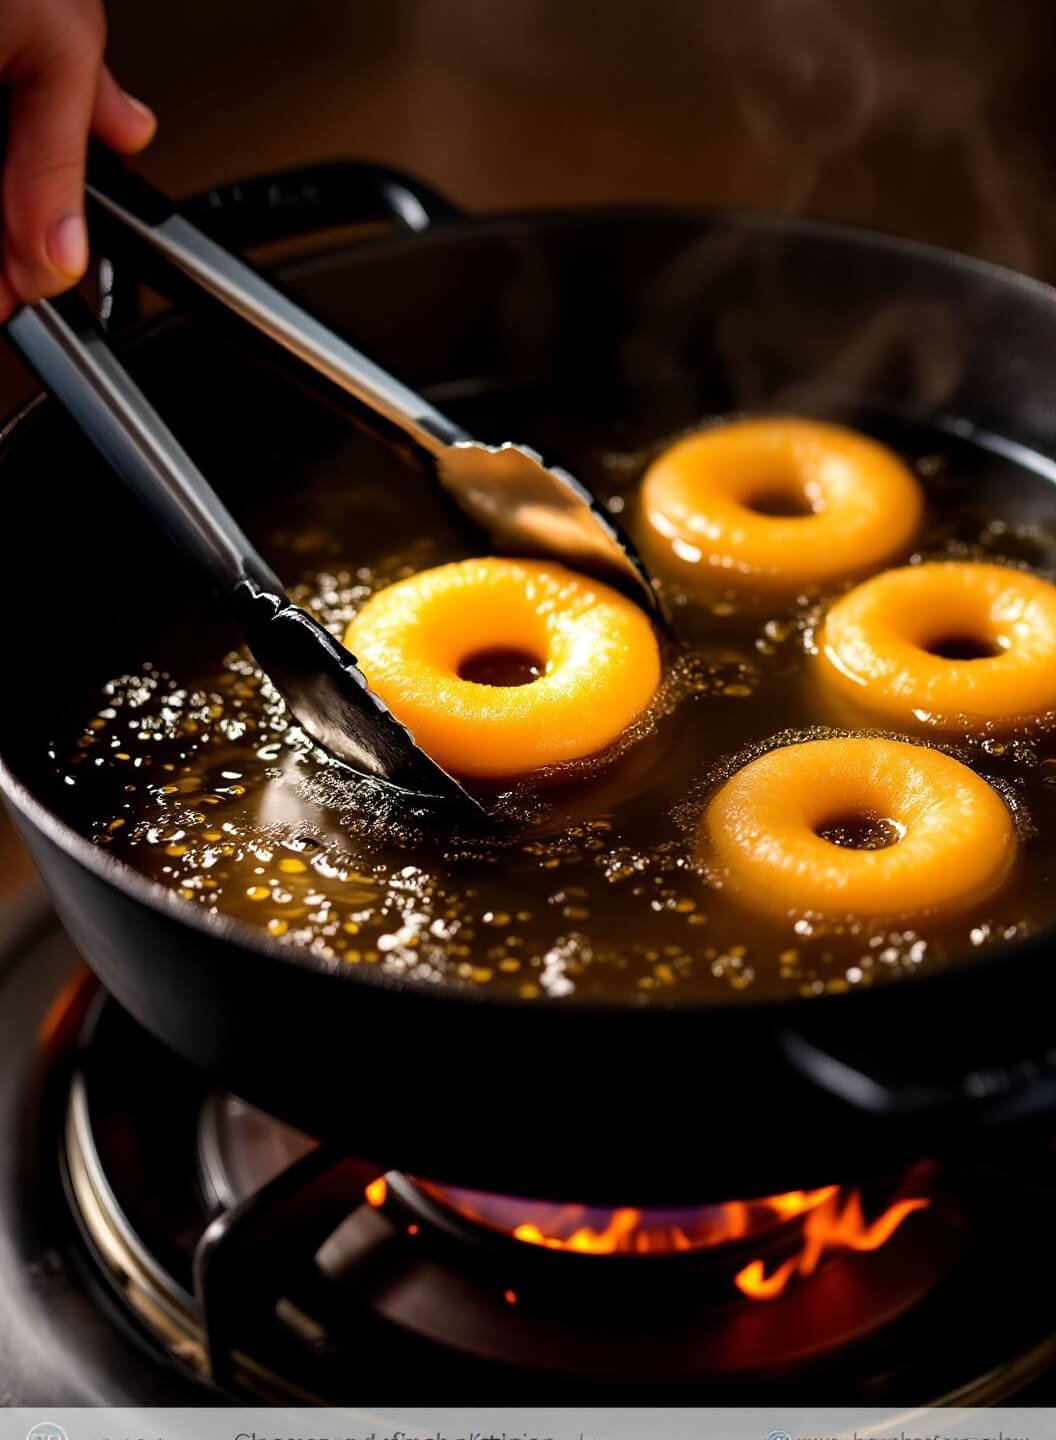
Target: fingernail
144,110
68,246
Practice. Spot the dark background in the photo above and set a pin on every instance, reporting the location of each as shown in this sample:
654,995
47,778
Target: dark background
933,118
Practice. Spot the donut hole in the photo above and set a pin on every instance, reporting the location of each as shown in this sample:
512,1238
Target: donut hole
501,665
860,830
964,647
785,502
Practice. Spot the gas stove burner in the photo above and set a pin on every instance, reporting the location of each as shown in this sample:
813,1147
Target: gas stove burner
242,1150
815,1221
276,1269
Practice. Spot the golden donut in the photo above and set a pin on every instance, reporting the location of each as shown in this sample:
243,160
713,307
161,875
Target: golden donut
954,645
953,837
778,506
595,654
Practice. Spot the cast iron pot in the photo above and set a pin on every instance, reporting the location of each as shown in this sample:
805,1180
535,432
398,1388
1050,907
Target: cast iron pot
669,314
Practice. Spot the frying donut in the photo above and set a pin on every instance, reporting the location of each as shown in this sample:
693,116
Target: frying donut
953,645
502,666
778,506
944,838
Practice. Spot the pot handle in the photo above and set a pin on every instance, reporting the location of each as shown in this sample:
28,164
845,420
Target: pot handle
989,1093
288,203
284,204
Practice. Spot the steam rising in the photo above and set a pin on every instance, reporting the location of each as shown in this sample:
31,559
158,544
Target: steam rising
920,119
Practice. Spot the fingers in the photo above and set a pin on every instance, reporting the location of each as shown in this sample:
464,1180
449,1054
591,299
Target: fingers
50,106
51,58
118,119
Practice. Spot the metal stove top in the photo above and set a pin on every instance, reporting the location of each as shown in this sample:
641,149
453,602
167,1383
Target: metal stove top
162,1243
62,1341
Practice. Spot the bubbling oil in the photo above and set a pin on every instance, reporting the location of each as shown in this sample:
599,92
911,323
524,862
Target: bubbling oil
193,772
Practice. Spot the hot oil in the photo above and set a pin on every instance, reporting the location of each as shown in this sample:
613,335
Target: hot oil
191,771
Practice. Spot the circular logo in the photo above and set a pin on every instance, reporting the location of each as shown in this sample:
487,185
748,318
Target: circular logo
47,1430
779,1435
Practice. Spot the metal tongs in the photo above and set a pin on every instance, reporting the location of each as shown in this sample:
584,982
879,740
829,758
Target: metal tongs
523,505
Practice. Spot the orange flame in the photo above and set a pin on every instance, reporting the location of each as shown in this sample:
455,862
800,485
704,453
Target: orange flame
832,1219
630,1230
829,1227
617,1232
377,1192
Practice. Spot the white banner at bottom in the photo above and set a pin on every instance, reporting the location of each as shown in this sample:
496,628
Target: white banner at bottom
500,1423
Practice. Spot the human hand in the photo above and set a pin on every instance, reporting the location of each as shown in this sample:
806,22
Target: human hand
58,91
